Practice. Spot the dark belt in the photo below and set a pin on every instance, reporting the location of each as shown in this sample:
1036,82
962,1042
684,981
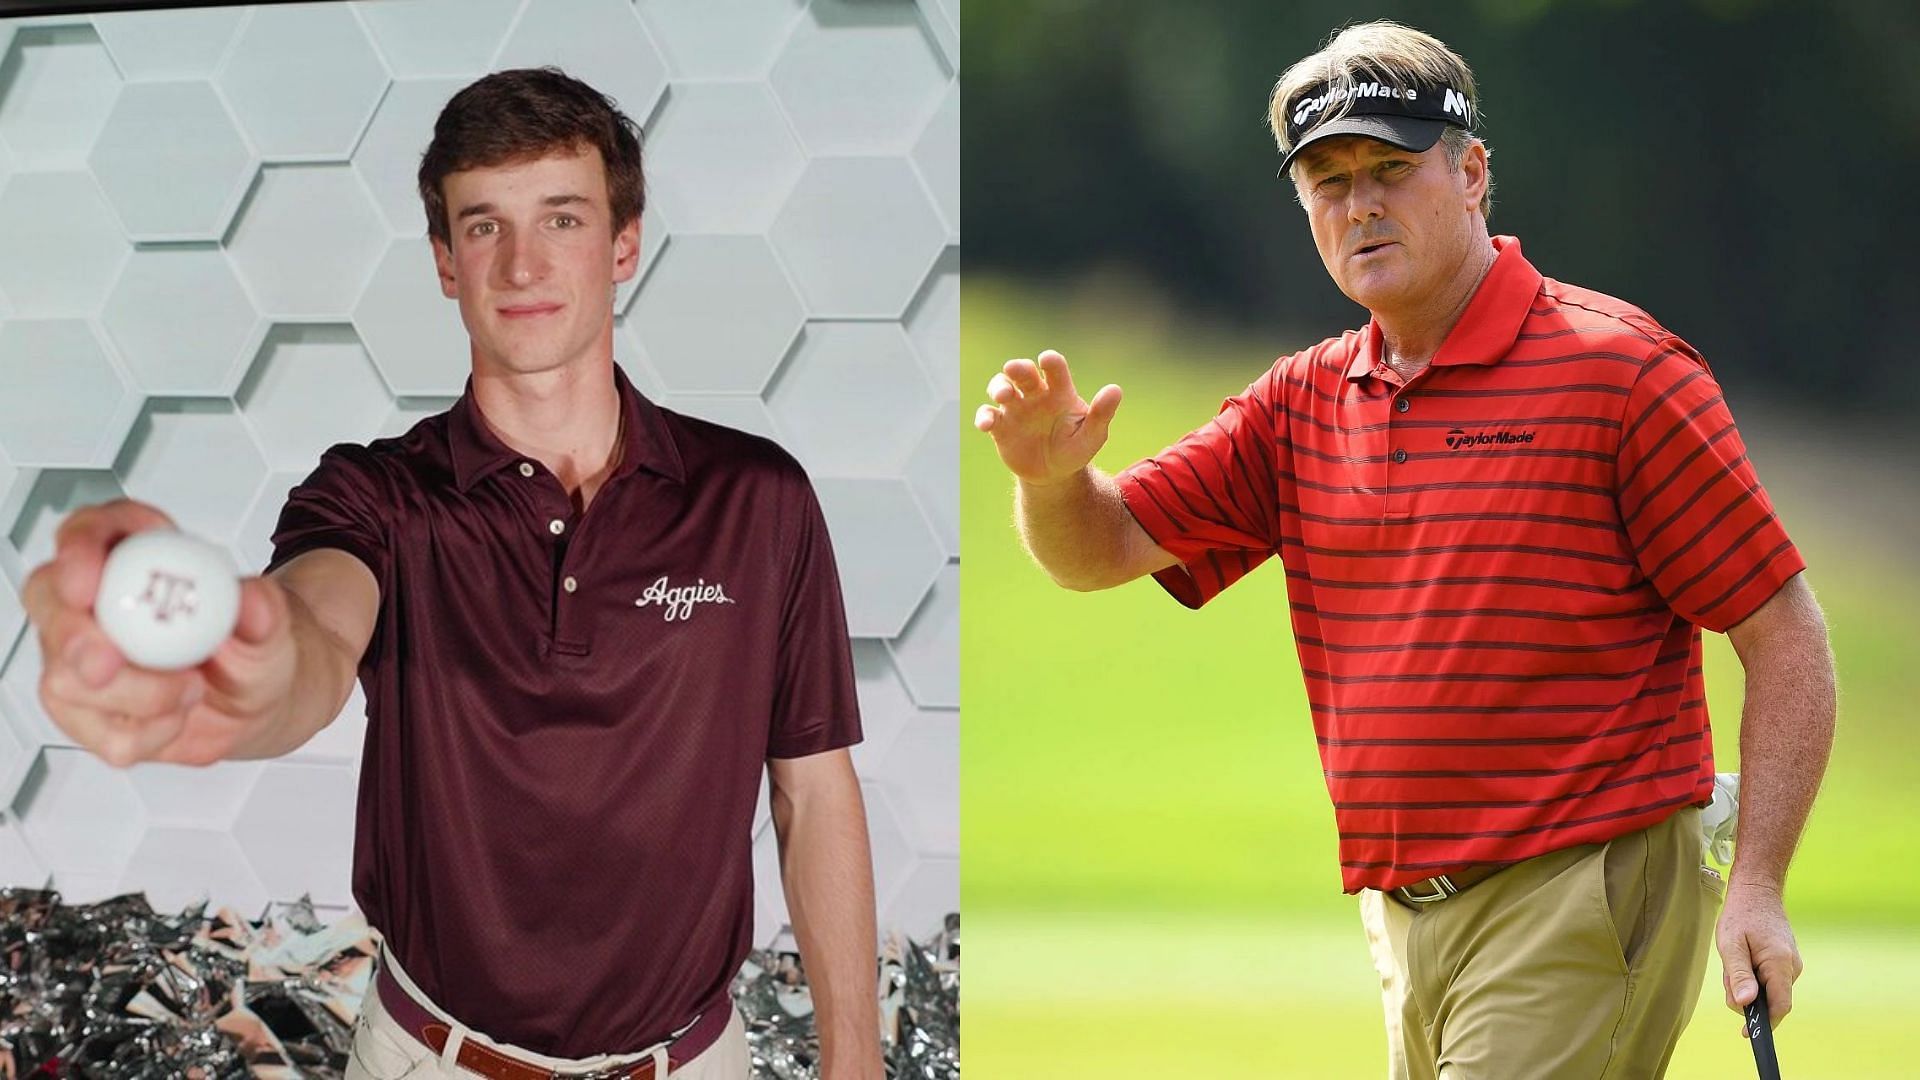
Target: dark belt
434,1032
1434,889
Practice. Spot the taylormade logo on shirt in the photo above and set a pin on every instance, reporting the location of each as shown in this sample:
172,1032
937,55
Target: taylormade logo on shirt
679,602
1458,439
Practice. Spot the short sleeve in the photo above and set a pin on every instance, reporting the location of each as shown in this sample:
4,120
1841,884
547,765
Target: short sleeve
816,707
345,503
1211,499
1702,528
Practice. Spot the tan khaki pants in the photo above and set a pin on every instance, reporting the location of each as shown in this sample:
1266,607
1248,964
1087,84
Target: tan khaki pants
383,1050
1584,962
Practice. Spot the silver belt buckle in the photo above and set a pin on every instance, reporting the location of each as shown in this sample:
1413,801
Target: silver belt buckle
622,1072
1442,888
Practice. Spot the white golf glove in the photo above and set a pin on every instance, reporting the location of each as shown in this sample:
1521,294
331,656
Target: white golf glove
1717,821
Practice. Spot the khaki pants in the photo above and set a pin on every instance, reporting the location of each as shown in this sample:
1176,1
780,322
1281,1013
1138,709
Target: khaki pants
383,1050
1584,962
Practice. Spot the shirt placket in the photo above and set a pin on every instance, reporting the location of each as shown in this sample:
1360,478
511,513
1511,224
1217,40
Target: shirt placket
567,621
1399,409
1372,450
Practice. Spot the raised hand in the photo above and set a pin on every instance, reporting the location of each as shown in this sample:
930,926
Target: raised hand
1043,429
126,713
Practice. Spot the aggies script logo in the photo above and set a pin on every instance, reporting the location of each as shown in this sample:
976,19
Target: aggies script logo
1458,439
679,600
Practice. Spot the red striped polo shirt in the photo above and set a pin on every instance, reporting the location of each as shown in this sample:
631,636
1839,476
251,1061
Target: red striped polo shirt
1497,570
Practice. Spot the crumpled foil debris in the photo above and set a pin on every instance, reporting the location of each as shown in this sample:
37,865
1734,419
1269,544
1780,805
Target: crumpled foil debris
919,1008
116,991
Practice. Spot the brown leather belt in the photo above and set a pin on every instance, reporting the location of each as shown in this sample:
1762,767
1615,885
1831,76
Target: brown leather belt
486,1061
1434,889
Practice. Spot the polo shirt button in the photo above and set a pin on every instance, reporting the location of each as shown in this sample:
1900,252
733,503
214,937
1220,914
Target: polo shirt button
1403,405
526,469
569,584
556,526
1400,456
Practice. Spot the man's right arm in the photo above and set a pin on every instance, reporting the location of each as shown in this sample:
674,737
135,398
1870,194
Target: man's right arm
1080,531
1071,516
332,604
279,678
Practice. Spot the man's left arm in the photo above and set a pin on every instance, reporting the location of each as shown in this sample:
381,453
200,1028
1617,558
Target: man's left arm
827,871
1786,734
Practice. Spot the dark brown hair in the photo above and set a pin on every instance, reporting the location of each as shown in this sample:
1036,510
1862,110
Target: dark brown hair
526,113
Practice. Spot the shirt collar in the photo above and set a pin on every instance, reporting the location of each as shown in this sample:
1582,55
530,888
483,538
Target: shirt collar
645,441
1490,325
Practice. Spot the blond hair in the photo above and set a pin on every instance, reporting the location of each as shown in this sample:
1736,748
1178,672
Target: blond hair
1381,51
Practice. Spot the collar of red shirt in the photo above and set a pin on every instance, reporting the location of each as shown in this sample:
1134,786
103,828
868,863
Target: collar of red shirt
477,451
1487,329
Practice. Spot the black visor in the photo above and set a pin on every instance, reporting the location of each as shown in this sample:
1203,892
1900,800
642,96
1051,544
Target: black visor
1410,116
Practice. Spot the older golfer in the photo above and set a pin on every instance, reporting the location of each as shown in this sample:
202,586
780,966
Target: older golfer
1506,507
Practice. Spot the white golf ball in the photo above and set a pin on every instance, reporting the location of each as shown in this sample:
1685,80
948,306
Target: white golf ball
167,599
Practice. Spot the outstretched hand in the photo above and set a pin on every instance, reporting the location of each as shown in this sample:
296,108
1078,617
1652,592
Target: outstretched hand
1044,430
125,713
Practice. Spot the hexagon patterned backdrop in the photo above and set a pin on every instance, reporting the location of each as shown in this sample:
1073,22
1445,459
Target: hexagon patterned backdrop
213,265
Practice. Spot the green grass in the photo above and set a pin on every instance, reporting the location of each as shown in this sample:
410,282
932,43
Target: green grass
1295,997
1150,871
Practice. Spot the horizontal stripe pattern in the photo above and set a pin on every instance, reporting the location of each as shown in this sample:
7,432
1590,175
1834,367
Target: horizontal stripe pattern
1496,594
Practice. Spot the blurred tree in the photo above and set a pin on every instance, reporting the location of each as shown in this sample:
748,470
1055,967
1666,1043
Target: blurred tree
1740,168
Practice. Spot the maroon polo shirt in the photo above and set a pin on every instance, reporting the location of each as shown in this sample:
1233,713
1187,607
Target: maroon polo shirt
568,714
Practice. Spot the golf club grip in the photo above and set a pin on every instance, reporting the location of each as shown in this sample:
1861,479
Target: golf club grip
1760,1033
